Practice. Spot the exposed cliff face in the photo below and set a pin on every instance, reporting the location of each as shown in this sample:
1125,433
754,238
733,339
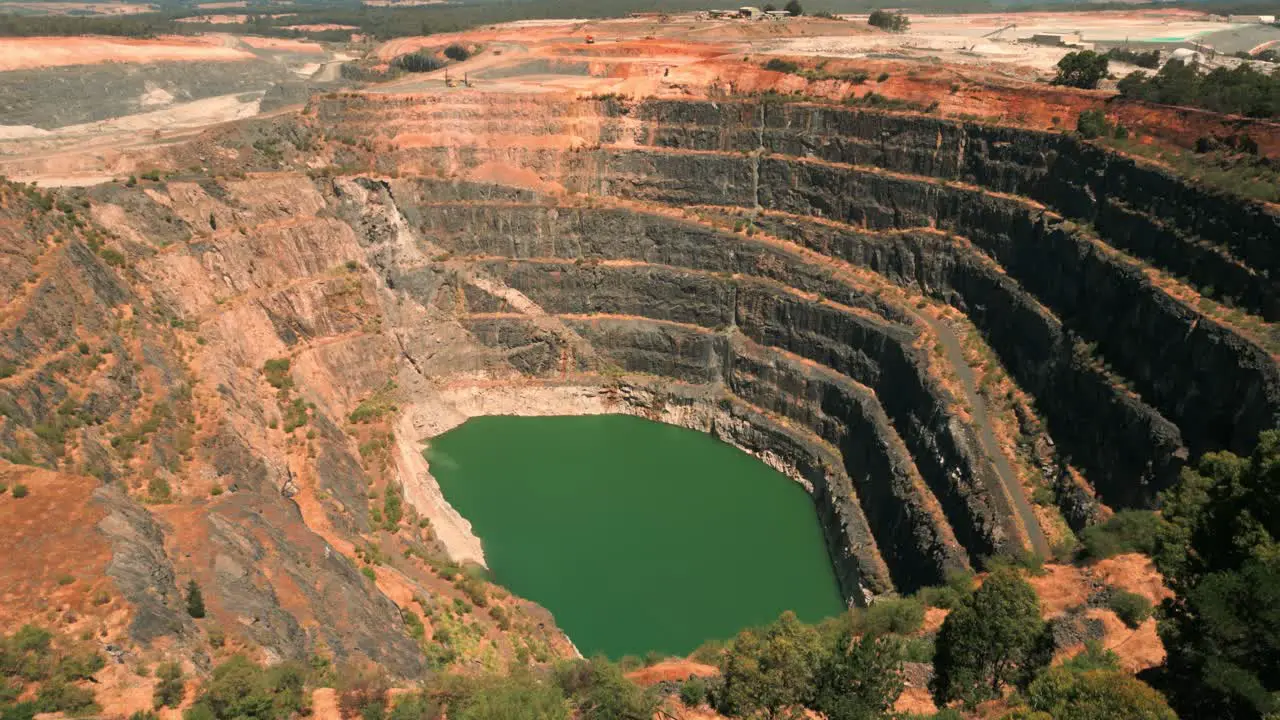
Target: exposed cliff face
763,272
1095,315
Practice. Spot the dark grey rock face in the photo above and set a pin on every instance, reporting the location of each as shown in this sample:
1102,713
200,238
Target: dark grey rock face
141,568
248,530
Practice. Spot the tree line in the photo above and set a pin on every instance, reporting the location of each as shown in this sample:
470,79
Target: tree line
1242,90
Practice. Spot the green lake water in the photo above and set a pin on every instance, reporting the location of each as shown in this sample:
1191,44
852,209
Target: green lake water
637,536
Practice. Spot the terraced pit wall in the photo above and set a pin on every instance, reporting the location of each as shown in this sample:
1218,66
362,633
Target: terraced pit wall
726,266
1131,375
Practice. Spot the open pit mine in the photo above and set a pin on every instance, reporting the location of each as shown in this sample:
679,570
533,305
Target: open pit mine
967,340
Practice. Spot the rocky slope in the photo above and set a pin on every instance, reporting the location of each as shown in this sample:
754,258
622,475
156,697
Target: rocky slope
249,361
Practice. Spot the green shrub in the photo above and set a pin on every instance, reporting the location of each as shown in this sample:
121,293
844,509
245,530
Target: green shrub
374,407
170,691
195,600
1095,695
885,20
277,373
20,490
519,696
919,649
241,689
392,507
474,589
500,616
217,636
599,688
158,490
112,257
413,624
415,706
1093,657
1092,124
369,573
1131,608
457,52
693,692
949,596
1127,531
901,616
59,695
418,62
782,66
295,415
1150,60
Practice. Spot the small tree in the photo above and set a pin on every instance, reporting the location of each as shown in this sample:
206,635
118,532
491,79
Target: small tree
859,678
1092,124
195,601
241,689
418,62
1083,69
693,692
170,690
518,696
600,691
793,7
995,638
769,671
893,22
457,52
1132,609
392,507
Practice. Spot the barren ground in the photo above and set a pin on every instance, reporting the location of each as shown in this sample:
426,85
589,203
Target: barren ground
971,66
38,52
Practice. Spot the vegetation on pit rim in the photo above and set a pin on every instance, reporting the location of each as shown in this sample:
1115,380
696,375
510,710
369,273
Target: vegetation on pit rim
1228,165
1242,90
892,21
419,61
1149,60
1081,69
